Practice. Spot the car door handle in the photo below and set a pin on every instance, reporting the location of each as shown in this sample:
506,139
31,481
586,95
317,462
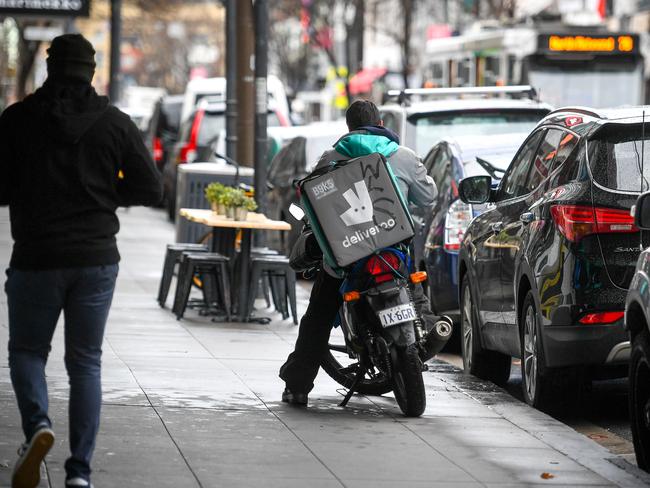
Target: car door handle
527,217
496,226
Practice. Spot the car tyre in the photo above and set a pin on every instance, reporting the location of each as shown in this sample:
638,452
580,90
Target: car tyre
639,398
536,379
488,365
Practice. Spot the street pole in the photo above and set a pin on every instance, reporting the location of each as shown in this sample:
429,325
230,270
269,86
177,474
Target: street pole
116,36
231,79
245,84
261,106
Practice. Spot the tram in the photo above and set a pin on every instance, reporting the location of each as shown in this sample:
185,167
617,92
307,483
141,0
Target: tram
567,67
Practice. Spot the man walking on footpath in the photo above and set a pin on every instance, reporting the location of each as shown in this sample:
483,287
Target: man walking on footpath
68,159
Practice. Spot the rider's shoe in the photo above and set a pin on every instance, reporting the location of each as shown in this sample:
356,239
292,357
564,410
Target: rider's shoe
294,397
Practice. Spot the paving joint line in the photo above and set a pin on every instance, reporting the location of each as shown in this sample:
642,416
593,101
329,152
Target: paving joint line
153,407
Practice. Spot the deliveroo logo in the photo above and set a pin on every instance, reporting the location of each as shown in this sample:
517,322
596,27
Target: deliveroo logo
360,210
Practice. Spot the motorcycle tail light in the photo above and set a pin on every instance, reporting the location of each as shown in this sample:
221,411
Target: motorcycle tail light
602,318
382,266
578,221
458,218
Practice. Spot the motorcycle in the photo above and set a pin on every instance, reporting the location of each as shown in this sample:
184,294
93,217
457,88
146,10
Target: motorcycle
385,341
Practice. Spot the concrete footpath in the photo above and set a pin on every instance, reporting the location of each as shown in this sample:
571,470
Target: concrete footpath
195,403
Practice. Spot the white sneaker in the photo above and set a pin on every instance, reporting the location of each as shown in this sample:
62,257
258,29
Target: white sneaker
78,482
27,471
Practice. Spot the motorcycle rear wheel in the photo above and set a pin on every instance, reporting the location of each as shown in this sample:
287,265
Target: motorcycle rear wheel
377,384
408,384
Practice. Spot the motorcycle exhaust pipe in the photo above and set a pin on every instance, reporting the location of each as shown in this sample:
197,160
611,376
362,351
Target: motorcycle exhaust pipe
436,338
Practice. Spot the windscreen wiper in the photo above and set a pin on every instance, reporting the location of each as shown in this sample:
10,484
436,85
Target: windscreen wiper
490,168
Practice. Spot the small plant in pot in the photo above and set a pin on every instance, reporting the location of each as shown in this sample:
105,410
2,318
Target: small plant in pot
248,205
223,200
213,193
237,203
229,199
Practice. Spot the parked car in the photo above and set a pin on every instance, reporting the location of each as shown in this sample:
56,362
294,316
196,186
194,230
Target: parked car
544,271
215,89
196,142
637,323
301,150
440,229
423,117
162,132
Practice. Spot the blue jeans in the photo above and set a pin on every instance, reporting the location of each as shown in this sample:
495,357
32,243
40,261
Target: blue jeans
35,301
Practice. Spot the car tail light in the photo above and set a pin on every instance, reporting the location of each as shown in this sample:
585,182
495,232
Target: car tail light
382,266
458,218
157,150
601,318
188,153
578,221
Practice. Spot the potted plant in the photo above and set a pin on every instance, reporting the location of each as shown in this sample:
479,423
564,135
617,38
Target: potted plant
223,200
237,200
213,193
247,204
230,199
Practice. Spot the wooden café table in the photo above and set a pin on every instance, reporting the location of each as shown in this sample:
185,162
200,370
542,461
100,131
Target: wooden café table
223,240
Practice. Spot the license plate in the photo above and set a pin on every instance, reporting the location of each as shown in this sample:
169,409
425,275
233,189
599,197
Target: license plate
396,315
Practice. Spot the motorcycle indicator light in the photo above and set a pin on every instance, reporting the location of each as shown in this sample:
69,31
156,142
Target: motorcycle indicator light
351,296
602,318
418,277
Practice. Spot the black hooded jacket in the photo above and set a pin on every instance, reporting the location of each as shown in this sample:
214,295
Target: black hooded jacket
67,161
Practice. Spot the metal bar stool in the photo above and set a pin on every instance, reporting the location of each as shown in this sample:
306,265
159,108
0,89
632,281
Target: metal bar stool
173,257
206,263
277,269
265,283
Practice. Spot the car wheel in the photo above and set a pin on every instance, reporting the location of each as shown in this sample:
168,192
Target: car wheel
639,398
488,365
536,379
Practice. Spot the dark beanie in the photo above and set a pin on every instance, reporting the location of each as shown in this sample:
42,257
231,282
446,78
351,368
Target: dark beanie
71,56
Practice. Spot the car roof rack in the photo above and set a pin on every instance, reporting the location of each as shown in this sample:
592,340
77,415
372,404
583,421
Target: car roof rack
403,96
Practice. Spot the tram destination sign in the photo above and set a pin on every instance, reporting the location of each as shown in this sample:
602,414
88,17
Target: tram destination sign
608,43
45,8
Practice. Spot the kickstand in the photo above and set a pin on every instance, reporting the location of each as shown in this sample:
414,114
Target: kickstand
353,386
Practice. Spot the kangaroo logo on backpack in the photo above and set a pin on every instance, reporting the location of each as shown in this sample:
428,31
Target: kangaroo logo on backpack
360,210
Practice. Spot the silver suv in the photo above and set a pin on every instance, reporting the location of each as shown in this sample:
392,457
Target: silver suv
422,116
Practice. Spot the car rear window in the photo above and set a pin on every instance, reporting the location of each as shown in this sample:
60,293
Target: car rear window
619,154
431,128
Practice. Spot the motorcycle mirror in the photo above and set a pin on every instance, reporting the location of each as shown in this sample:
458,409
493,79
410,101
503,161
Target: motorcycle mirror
297,212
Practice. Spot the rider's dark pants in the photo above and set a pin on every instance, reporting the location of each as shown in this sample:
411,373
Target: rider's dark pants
301,367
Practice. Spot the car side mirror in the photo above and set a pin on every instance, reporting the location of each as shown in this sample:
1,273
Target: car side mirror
642,211
475,189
